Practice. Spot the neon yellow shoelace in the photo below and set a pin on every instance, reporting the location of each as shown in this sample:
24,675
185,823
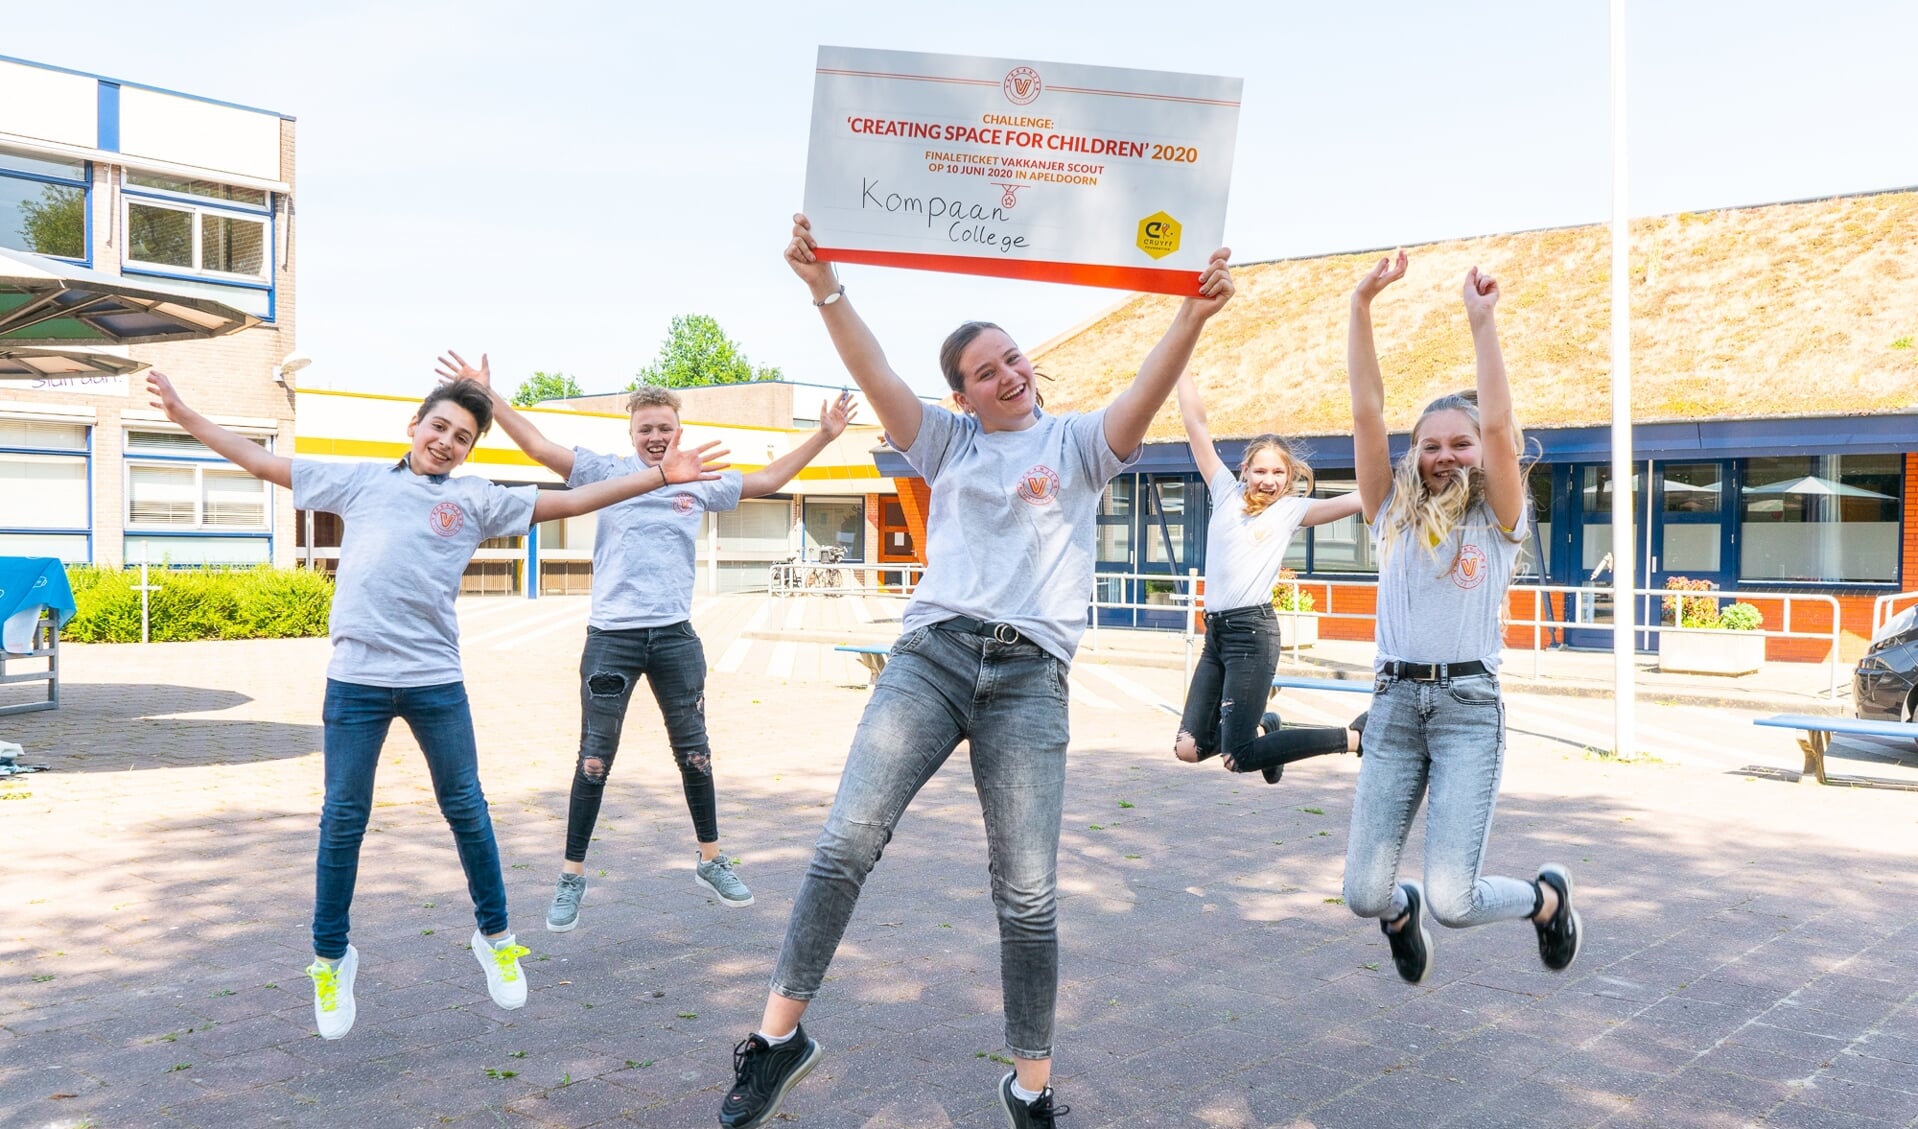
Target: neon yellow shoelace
326,981
507,959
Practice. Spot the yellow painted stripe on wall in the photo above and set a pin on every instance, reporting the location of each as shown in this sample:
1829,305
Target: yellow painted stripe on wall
391,452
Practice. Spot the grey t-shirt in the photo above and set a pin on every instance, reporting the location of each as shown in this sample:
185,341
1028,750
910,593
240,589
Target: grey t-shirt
643,549
1243,551
1010,529
408,540
1443,606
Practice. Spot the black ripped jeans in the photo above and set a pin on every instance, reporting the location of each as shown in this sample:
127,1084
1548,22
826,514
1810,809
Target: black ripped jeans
1229,689
674,664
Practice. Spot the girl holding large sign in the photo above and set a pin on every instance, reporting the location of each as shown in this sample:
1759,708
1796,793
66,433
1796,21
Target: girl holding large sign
987,640
1449,520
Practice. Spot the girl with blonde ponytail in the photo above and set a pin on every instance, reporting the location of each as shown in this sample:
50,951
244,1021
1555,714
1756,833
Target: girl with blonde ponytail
1449,520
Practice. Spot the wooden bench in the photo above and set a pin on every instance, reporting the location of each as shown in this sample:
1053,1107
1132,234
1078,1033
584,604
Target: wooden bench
1819,730
871,655
45,650
1298,682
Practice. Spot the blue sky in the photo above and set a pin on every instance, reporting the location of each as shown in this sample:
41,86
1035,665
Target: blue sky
553,183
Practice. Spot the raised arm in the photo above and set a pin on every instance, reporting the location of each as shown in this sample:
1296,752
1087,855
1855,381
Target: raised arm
236,449
518,428
892,399
1192,412
1325,510
701,464
1371,452
833,418
1498,428
1131,411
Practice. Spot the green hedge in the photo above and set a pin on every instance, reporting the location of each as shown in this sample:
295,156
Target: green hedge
257,603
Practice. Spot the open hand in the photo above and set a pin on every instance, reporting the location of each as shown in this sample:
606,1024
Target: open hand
1383,274
834,416
700,464
452,366
165,396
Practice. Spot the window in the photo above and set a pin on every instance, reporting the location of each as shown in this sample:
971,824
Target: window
43,204
1827,518
185,231
839,522
1344,545
45,508
187,506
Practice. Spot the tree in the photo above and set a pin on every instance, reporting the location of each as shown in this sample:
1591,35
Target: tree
56,223
546,386
696,351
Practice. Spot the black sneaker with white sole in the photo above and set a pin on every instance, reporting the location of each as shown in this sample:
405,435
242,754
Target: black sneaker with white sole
1558,938
1411,943
762,1075
1039,1113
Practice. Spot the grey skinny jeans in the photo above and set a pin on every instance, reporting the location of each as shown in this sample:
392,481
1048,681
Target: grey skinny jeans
940,687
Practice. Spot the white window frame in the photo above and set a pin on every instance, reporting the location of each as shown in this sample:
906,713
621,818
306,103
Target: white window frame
197,207
200,464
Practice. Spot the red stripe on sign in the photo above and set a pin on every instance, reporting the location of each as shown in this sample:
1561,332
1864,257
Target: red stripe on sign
1155,280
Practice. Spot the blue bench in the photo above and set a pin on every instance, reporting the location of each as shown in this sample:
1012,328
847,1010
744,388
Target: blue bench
1819,730
1296,682
871,655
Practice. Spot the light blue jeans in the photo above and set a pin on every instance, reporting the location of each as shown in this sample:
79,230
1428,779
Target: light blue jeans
1449,738
940,687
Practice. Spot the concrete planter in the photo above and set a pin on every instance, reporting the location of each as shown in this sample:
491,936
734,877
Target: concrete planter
1298,628
1701,651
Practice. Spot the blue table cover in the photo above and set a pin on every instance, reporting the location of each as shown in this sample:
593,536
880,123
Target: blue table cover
26,581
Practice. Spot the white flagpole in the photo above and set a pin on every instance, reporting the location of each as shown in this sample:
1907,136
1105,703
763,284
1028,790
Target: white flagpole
1624,734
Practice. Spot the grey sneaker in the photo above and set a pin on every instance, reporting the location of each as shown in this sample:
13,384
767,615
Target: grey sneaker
564,913
718,877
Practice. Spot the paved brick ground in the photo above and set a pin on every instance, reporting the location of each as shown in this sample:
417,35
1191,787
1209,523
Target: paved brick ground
1750,961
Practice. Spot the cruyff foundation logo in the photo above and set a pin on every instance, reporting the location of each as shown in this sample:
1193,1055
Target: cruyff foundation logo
1470,570
1158,235
1040,485
446,519
1022,86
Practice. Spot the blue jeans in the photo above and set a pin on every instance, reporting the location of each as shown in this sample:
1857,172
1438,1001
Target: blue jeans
357,718
1448,737
940,687
674,664
1230,685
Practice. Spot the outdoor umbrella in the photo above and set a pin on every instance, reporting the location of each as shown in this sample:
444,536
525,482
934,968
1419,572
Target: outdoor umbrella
47,301
19,363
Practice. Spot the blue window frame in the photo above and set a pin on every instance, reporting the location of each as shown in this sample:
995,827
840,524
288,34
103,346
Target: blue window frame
200,230
186,506
44,205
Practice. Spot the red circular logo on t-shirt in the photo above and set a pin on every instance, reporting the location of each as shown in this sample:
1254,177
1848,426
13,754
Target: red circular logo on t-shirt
446,519
1040,485
1471,568
684,503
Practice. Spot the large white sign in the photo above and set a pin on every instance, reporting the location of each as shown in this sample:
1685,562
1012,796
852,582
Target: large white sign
1020,168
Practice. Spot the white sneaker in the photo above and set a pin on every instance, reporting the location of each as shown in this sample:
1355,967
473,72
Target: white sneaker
333,1008
504,980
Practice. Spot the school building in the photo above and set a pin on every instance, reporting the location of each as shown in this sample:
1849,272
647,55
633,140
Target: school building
838,501
108,183
1774,393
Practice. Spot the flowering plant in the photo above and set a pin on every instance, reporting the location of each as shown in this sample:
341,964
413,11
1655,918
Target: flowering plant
1287,597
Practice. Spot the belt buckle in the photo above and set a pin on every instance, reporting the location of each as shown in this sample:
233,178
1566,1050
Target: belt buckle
1004,633
1428,672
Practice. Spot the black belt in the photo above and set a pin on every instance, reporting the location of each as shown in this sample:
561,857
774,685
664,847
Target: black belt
1434,672
997,632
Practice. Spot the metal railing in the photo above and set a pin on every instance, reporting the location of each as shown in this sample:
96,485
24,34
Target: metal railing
1885,607
821,578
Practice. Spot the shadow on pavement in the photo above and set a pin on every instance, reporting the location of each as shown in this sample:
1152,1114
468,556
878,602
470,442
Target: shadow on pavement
109,727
